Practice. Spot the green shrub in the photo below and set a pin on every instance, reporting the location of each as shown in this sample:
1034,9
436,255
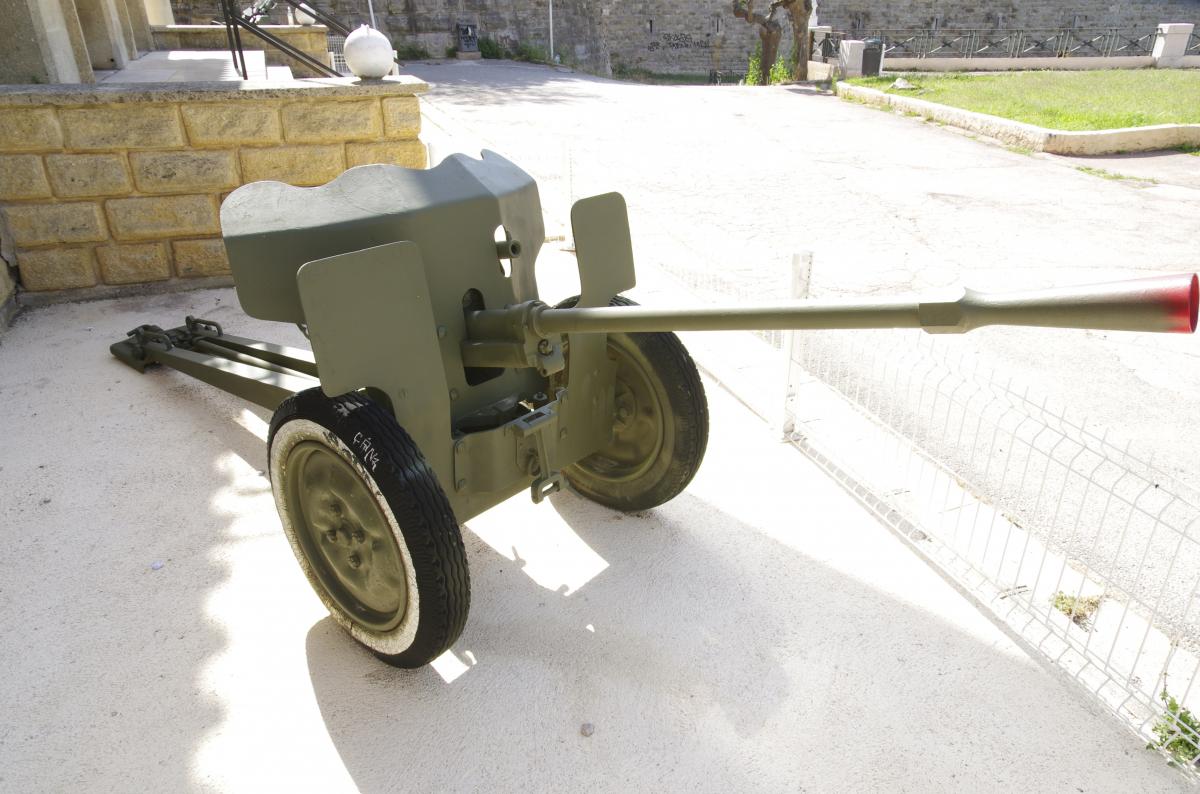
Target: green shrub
451,51
755,65
1177,730
780,71
411,52
490,48
636,74
530,54
1078,608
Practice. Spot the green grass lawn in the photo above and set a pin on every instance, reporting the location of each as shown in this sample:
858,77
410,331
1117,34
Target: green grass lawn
1065,100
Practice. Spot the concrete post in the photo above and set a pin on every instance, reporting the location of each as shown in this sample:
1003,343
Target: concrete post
102,32
159,12
36,39
83,61
850,58
126,28
1171,44
140,22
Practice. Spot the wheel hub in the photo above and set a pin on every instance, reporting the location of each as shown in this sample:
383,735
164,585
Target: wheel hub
345,536
638,424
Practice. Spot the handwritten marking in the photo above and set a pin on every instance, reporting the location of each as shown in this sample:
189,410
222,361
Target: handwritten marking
370,455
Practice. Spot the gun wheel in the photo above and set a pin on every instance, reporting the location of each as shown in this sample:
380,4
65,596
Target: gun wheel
660,424
370,525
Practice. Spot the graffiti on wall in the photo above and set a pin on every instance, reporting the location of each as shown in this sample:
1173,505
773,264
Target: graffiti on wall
679,41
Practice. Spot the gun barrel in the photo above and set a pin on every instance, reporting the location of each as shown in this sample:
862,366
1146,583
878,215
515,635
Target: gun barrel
1165,304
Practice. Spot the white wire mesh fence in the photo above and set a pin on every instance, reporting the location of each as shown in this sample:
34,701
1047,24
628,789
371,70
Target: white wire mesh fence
1068,533
1070,536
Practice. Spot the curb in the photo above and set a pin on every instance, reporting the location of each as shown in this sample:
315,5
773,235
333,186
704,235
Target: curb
1030,136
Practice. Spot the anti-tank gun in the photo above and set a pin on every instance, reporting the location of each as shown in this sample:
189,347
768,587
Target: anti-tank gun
438,385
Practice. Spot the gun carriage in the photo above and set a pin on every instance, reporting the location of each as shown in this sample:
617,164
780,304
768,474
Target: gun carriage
438,385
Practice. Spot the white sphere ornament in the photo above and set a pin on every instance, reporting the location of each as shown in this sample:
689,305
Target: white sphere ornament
368,53
300,17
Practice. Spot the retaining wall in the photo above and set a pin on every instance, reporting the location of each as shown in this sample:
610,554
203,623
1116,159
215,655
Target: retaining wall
116,185
694,36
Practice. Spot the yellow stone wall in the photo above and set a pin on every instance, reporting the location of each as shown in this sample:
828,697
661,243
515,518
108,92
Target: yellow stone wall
126,188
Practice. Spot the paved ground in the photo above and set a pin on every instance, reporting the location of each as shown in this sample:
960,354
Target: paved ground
189,66
725,183
156,634
1166,170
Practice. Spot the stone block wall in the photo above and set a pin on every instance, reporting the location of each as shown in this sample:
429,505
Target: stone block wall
119,185
694,36
578,24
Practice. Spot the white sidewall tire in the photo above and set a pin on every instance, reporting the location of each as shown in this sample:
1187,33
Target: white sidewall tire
287,436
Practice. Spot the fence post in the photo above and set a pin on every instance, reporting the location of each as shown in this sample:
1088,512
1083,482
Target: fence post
802,262
1171,44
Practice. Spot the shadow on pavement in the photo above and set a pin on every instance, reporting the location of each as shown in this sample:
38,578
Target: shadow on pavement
704,660
107,629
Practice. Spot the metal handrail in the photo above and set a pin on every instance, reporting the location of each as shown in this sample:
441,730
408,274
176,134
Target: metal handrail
235,23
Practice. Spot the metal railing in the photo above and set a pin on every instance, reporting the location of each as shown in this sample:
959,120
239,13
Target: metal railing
1032,43
237,21
1067,533
825,47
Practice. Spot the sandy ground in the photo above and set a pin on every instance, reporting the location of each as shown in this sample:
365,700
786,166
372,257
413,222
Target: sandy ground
759,631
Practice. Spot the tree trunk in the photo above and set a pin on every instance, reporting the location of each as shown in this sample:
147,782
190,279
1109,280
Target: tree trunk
769,36
800,39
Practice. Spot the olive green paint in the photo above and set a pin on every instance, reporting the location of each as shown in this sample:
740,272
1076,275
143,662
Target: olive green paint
345,536
418,288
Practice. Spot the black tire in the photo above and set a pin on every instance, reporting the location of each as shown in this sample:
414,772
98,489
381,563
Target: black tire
632,479
406,602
